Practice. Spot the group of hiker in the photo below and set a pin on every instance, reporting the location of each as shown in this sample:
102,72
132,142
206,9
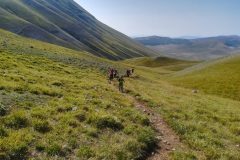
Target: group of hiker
113,73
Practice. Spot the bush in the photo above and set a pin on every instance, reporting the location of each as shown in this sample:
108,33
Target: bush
42,126
20,152
17,120
3,133
54,149
148,138
109,122
85,153
3,110
81,117
3,156
40,147
58,84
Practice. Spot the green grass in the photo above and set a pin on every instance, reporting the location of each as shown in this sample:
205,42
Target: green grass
57,103
221,77
208,125
161,62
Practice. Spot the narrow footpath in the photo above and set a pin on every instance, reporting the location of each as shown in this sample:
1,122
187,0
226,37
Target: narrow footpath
168,140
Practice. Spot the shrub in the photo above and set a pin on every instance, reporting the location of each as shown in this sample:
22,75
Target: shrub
3,133
54,149
3,156
3,110
92,133
20,152
108,122
58,84
42,126
85,153
148,138
17,120
40,147
73,143
64,109
145,121
81,117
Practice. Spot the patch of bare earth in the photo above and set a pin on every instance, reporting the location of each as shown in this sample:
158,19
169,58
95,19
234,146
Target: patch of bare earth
169,141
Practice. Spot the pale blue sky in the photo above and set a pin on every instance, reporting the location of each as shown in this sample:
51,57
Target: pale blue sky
173,18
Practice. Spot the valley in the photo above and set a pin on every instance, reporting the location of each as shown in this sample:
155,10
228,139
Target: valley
73,88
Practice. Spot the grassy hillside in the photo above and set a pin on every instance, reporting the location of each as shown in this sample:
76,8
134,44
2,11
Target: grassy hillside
208,125
55,103
161,62
220,77
67,24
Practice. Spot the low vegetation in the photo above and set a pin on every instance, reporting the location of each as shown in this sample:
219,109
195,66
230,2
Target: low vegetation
57,103
207,124
220,77
170,64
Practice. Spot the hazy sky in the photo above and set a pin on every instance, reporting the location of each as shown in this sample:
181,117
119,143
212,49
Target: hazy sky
168,17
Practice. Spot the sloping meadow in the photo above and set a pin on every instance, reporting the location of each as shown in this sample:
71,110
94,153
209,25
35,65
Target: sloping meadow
56,102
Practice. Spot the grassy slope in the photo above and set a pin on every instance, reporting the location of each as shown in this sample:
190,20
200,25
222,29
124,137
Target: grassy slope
221,77
161,62
44,84
209,125
55,102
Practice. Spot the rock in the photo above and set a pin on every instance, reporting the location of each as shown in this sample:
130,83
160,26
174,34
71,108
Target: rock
153,153
173,149
237,145
74,108
194,91
159,138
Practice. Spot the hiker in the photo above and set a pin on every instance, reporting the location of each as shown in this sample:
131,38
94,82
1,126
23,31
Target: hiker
121,83
110,74
128,73
115,74
132,70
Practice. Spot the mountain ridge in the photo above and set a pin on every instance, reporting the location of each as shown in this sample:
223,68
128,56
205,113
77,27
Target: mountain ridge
193,49
65,23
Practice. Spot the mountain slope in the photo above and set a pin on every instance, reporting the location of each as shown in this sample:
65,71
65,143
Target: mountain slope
219,77
193,49
55,103
65,23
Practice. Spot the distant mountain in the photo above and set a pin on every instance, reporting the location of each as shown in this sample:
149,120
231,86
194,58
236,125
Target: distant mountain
65,23
193,49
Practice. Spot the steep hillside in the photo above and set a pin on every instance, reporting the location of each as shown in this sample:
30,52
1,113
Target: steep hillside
65,23
55,103
219,77
193,49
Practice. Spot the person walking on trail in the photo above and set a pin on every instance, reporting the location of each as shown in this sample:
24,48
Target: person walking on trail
110,74
121,84
115,73
128,73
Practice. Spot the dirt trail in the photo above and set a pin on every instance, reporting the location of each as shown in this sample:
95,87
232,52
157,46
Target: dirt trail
168,140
